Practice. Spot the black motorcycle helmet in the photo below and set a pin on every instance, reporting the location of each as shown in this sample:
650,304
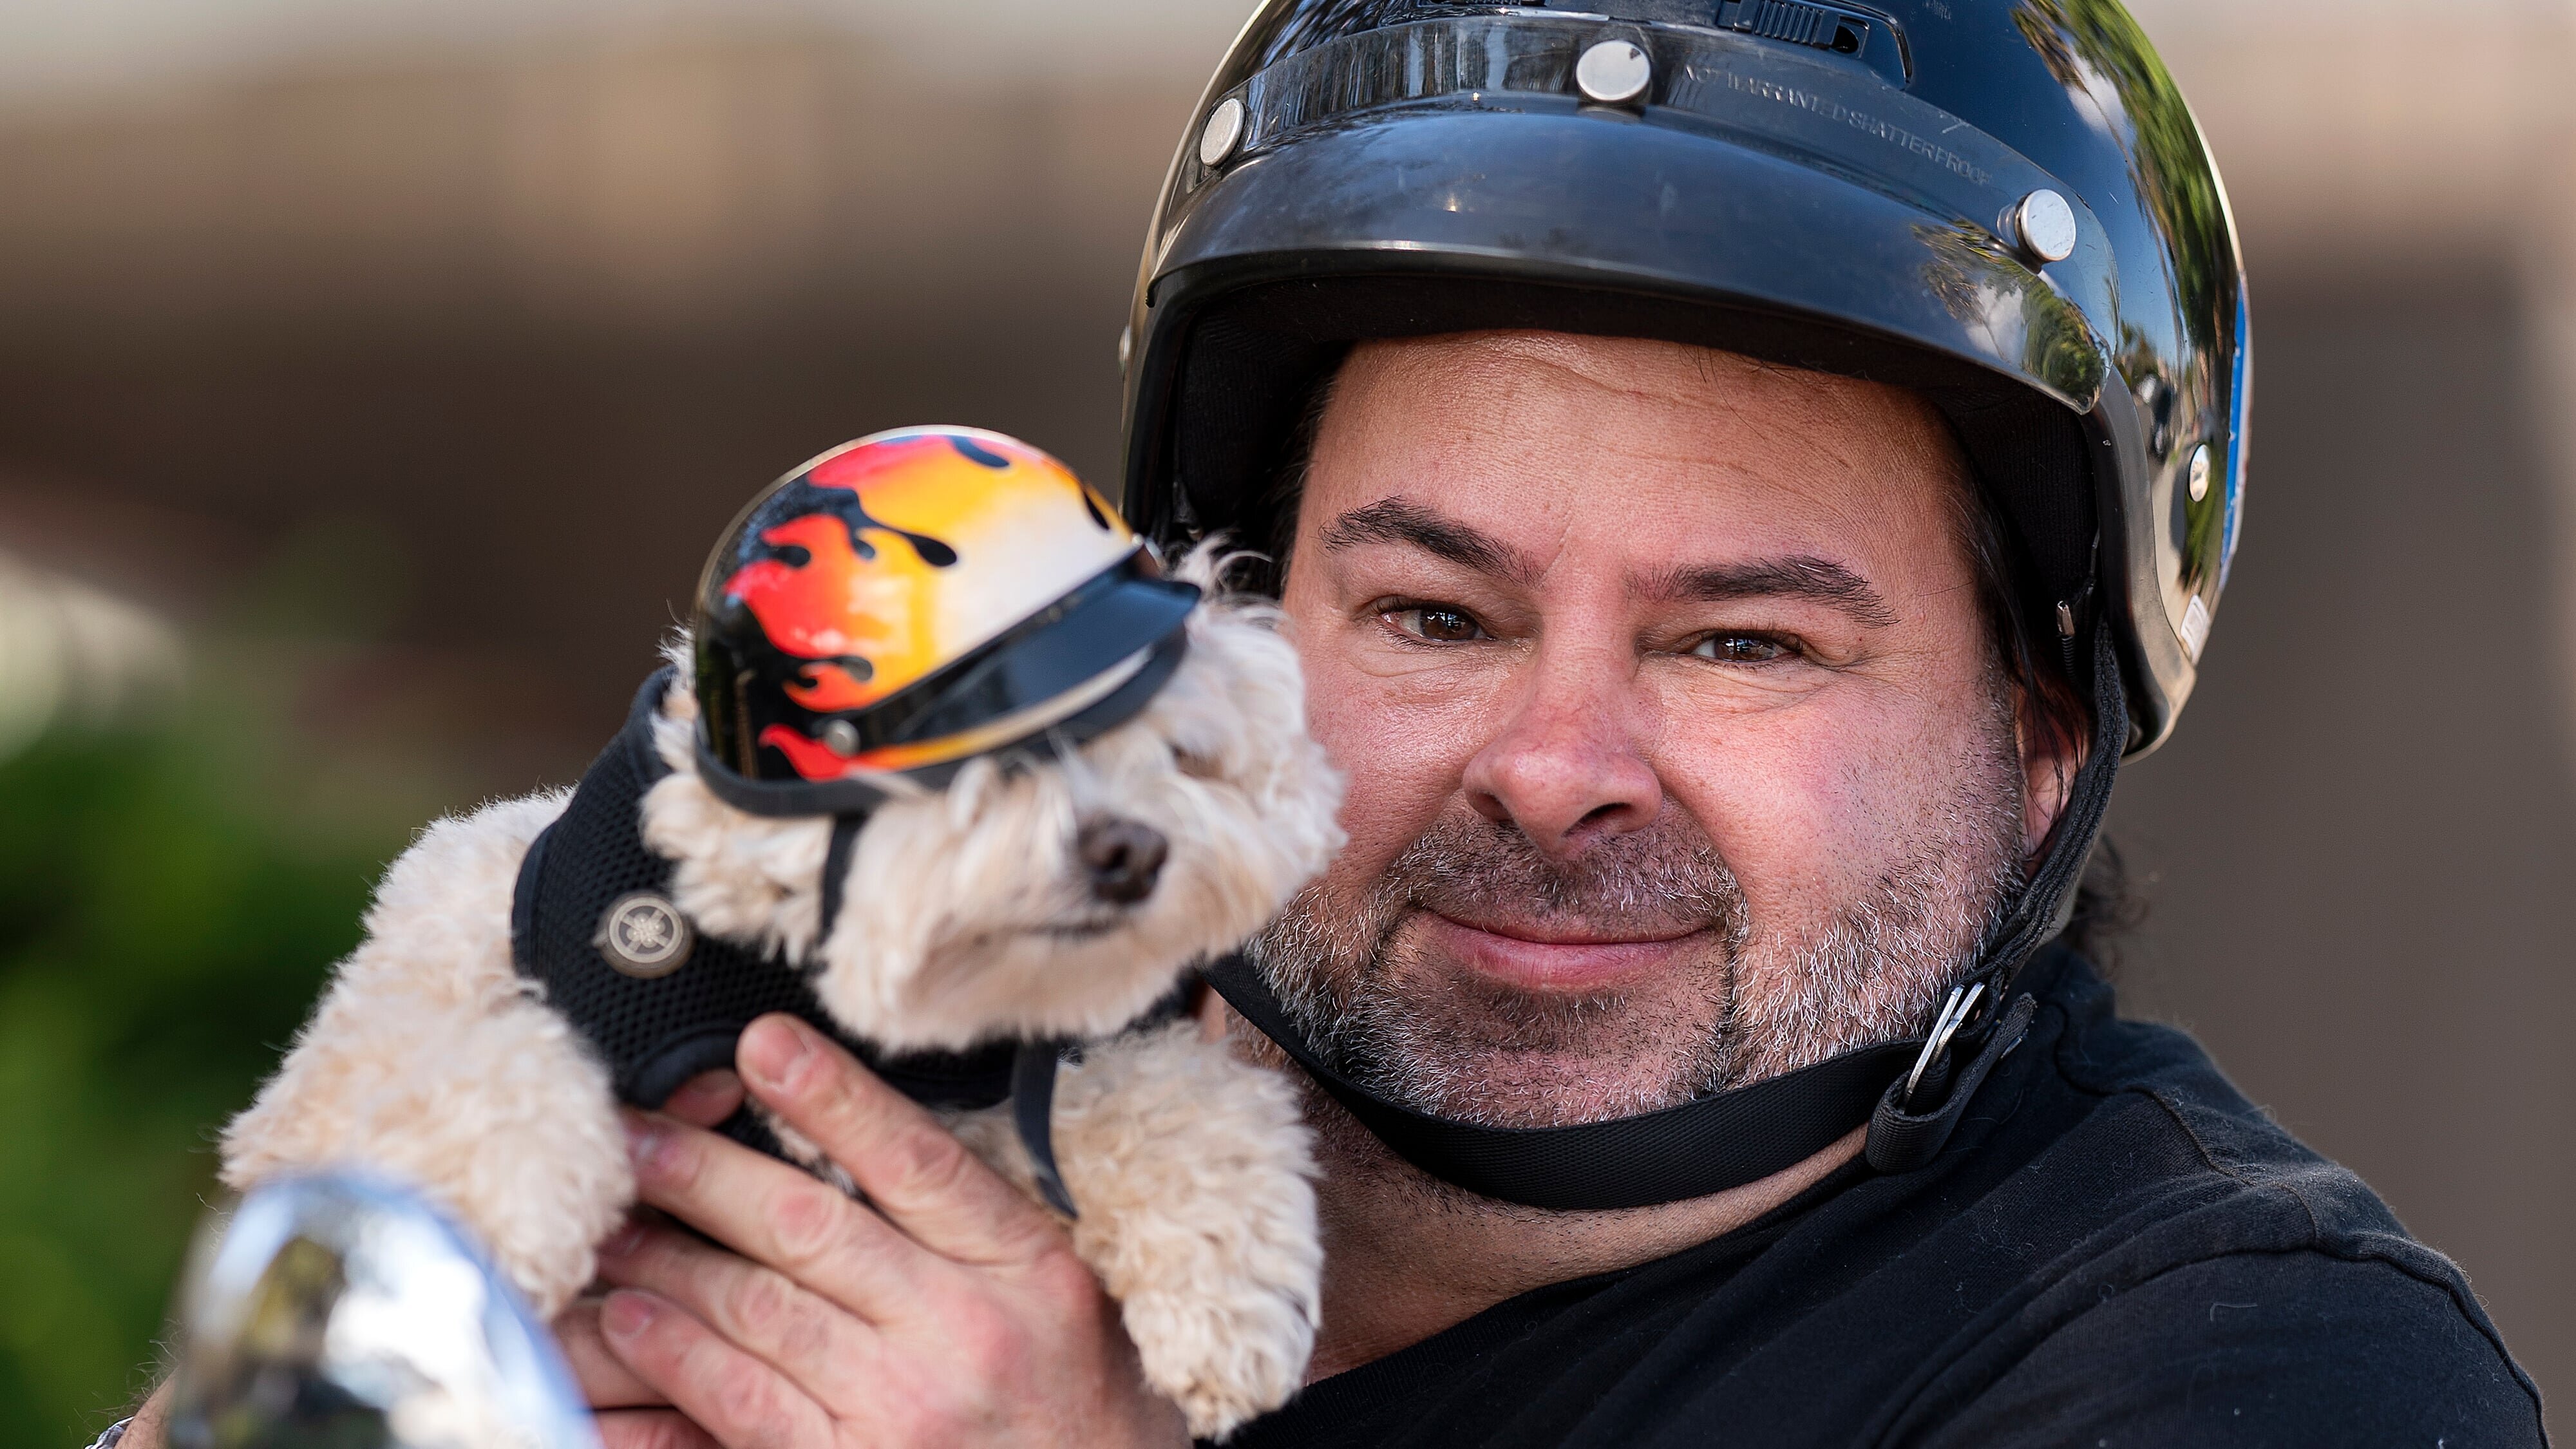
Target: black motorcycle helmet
2002,204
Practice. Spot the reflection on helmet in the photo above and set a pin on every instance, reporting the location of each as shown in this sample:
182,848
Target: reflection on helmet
916,598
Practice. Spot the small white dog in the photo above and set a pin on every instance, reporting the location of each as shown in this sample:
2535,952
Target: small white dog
1029,896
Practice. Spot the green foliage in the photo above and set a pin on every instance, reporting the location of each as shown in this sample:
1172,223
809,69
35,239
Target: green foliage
165,920
2085,42
1988,291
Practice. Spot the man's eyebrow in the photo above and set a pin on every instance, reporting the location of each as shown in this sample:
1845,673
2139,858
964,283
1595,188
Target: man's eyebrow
1799,576
1401,520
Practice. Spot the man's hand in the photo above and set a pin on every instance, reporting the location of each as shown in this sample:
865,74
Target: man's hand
946,1309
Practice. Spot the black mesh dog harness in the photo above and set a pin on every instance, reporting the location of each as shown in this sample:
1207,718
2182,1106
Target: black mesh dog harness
594,921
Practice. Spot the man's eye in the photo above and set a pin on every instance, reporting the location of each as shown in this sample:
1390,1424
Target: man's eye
1439,625
1740,649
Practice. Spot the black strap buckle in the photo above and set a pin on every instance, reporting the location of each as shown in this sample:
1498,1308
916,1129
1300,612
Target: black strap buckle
1908,1130
1936,1043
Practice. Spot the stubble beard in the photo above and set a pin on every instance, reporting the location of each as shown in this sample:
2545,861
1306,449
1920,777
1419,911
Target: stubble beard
1745,1000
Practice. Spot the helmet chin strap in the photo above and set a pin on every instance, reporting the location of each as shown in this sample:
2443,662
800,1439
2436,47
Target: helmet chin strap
2047,901
1911,1093
1033,1063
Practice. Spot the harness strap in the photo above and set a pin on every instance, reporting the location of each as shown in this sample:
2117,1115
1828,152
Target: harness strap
589,891
836,871
1033,1116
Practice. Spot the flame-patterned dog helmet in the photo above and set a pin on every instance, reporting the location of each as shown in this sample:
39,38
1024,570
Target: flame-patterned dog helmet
914,599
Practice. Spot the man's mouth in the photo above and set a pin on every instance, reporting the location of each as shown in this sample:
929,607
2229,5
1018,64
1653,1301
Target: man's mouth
1563,957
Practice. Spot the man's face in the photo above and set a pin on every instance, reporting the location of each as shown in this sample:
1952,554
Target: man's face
1678,752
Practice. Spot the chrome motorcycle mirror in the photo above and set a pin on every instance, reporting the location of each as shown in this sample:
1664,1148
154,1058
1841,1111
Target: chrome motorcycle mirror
336,1311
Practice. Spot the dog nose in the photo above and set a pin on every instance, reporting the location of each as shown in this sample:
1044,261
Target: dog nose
1122,858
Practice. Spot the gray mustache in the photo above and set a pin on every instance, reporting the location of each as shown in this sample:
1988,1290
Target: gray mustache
1665,874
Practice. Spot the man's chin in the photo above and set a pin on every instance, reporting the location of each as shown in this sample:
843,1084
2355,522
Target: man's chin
1534,1089
1463,1047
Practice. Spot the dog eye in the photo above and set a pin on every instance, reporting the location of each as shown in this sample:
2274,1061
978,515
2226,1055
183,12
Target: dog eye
1197,767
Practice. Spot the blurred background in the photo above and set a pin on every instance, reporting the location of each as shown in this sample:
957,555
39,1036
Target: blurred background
374,374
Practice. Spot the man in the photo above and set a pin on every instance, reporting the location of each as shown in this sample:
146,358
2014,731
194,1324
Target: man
1636,814
1741,477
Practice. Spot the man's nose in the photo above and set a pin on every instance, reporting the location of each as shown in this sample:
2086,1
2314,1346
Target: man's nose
1565,767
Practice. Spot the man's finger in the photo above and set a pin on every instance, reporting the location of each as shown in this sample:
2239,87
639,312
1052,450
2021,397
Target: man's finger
741,1402
819,1344
652,1429
606,1382
706,1099
778,1215
915,1171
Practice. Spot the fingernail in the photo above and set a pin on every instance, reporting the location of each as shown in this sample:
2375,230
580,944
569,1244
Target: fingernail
698,1092
626,1314
623,1242
644,1142
773,1052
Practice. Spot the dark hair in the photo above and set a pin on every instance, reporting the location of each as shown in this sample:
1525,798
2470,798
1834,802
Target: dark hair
2107,910
1274,512
2053,708
2040,670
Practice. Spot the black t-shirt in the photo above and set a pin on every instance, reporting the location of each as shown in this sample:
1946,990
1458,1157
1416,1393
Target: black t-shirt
2116,1249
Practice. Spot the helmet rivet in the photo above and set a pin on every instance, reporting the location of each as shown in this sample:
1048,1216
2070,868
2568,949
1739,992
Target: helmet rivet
841,737
2199,473
2044,225
1222,133
1613,72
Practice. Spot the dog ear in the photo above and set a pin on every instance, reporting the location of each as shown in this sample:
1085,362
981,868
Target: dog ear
1228,576
680,651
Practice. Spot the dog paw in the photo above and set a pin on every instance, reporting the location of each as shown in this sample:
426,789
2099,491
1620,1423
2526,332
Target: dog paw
499,1117
1225,1356
1193,1172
